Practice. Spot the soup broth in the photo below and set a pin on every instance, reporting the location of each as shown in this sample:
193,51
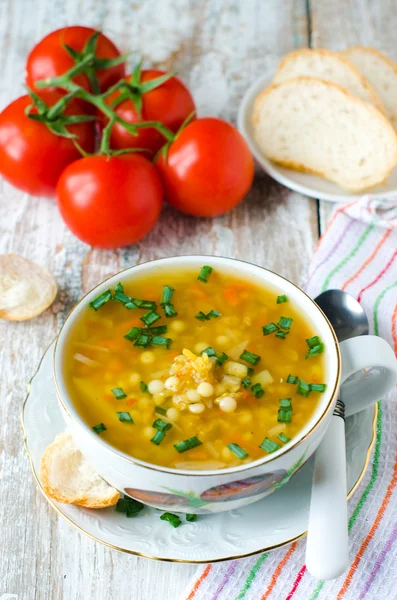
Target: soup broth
195,370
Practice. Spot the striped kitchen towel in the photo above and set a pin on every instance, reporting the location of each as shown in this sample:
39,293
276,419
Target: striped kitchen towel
357,253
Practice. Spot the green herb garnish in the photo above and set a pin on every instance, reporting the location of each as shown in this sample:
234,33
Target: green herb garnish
204,274
284,415
238,451
119,288
269,328
132,334
119,393
221,358
160,410
161,425
142,340
292,379
250,357
250,371
285,322
282,334
125,417
159,340
191,518
281,299
158,330
187,444
169,310
144,387
303,388
201,316
284,438
150,317
172,519
213,314
257,390
246,382
209,351
318,387
315,346
101,300
129,506
285,403
158,437
167,294
149,304
269,446
122,298
99,428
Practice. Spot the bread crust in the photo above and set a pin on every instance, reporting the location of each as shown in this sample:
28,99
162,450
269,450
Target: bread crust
301,167
371,50
78,499
339,57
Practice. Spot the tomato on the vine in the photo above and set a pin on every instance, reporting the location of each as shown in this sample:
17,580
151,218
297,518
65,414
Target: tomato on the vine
50,58
110,202
170,103
31,156
207,169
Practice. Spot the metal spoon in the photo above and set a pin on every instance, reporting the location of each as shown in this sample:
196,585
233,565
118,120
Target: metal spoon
327,554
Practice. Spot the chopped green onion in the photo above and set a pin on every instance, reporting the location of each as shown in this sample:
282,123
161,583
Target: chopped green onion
129,506
150,317
132,334
99,428
158,437
167,294
125,417
159,340
160,410
172,519
284,415
284,322
292,379
119,288
122,298
285,403
213,314
209,351
187,444
161,425
158,330
269,446
303,388
246,382
318,387
191,518
250,371
238,451
201,316
130,305
282,334
313,341
142,340
269,328
119,393
204,274
257,390
169,310
281,299
221,358
250,357
101,300
144,387
144,303
315,350
284,438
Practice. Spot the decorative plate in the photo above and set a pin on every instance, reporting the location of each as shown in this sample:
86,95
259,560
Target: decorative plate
304,183
274,521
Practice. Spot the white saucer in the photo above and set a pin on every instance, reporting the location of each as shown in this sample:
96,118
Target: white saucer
274,521
304,183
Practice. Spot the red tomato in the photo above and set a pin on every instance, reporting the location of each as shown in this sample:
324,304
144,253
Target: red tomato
170,103
110,202
31,156
50,59
208,170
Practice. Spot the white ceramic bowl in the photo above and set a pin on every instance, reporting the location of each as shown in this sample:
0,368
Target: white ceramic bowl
203,491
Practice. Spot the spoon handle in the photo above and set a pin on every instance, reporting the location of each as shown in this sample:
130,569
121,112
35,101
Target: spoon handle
327,554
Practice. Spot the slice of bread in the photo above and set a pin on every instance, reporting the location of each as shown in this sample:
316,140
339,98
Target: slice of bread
381,72
330,66
26,289
312,125
67,477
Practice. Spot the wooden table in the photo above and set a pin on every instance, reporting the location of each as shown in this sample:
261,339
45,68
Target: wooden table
218,47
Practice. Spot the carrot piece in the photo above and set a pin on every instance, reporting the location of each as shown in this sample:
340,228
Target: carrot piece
116,366
131,401
231,296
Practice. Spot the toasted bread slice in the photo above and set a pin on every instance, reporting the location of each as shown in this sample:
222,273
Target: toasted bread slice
26,289
316,126
330,66
67,477
381,72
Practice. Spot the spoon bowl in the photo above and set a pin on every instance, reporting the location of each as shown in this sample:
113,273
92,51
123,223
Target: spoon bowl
345,314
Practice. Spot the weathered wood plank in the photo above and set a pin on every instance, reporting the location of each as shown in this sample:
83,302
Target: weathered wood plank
218,47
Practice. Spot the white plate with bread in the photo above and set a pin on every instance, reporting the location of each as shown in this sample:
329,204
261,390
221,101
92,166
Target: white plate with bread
322,128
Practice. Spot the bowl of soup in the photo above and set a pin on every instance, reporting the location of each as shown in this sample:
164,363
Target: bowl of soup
195,383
